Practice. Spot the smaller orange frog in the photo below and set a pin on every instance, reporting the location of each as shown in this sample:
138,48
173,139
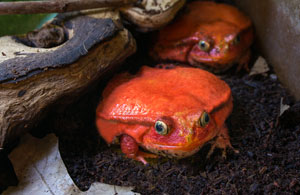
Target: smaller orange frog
210,35
170,112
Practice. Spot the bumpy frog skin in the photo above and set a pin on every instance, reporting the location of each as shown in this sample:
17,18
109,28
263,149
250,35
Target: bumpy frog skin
170,112
209,35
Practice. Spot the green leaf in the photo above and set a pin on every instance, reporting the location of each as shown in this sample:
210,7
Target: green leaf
20,24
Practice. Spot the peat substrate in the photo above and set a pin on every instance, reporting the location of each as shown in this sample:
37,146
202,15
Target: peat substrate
268,159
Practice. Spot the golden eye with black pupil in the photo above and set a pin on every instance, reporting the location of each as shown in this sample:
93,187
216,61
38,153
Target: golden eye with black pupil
204,119
161,128
204,45
236,40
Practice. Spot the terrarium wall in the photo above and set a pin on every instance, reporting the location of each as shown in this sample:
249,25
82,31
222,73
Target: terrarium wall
277,26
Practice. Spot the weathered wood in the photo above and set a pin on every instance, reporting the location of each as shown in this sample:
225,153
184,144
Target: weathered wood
54,6
32,79
149,15
87,34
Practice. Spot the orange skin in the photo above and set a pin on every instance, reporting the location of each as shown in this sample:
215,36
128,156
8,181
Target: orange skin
132,104
227,31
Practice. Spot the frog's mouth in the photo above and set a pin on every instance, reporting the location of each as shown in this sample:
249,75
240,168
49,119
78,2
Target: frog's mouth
216,60
212,64
172,151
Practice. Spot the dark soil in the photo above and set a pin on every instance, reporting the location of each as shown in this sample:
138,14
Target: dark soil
269,145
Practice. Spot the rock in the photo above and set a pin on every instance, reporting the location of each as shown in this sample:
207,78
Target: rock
32,79
277,25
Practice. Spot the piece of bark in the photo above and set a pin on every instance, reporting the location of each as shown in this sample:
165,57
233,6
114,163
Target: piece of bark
52,6
150,15
32,79
46,37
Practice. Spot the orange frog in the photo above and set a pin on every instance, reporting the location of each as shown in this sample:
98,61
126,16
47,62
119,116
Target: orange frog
210,35
170,112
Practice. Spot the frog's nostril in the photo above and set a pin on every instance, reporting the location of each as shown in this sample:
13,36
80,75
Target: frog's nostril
190,135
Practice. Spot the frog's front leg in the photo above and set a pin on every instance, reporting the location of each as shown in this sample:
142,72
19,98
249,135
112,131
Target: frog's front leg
131,149
222,141
244,62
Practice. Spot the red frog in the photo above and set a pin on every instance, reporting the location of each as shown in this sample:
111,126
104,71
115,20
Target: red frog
170,112
210,35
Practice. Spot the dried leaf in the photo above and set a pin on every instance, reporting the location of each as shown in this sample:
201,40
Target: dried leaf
259,67
101,188
40,170
283,107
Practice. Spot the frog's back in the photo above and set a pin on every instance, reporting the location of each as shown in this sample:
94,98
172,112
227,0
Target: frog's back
203,14
154,92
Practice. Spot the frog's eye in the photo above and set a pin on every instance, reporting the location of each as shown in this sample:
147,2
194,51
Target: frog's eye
236,40
204,119
161,128
204,45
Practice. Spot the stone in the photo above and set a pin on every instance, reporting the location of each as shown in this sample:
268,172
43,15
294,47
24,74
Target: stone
277,27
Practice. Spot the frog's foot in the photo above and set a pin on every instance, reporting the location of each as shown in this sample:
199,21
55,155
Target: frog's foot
131,149
244,62
222,141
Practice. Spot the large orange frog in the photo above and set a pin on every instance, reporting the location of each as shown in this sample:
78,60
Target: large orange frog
210,35
170,112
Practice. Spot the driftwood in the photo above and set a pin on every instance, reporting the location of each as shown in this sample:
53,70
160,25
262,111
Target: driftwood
151,14
32,79
54,6
146,15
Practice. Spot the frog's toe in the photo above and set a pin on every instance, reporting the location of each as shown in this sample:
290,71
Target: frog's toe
141,159
211,150
224,153
142,155
235,150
